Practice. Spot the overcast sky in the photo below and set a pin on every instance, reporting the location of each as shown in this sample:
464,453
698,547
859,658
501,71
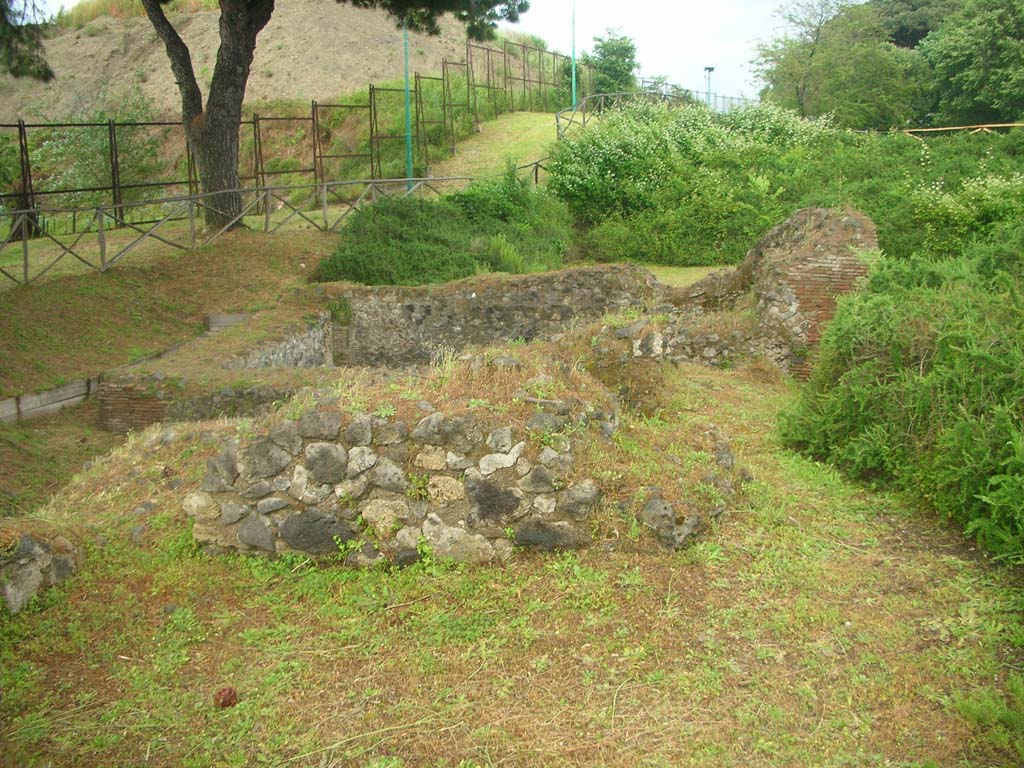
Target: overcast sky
673,39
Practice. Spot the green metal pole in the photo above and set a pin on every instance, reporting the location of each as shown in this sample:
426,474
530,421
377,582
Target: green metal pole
408,108
574,53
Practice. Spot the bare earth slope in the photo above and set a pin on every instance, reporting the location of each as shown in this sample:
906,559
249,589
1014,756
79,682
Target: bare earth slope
311,49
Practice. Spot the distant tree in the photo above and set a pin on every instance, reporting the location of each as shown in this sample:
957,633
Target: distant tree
21,40
212,127
614,62
978,58
908,22
789,65
836,59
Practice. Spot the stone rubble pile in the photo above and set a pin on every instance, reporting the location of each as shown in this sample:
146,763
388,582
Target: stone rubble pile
378,489
33,565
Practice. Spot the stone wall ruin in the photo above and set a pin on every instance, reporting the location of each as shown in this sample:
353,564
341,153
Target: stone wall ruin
377,490
790,281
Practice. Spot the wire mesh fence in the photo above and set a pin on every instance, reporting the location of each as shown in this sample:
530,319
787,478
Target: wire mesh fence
55,169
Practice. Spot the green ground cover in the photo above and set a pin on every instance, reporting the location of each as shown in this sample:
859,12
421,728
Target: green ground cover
817,624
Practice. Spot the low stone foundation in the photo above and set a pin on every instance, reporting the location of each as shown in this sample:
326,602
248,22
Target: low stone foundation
394,327
309,348
375,490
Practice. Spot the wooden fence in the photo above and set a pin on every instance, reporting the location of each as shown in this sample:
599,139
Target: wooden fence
266,208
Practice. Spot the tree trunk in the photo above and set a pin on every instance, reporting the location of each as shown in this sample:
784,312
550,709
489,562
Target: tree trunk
214,143
213,133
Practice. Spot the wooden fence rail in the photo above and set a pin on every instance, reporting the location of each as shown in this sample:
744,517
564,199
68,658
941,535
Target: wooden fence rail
259,201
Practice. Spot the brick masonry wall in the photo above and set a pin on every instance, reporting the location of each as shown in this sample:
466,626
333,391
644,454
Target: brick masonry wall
794,275
817,286
127,407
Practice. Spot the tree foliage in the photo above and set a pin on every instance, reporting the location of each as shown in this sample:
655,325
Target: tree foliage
890,63
211,124
21,41
838,60
978,59
614,63
908,22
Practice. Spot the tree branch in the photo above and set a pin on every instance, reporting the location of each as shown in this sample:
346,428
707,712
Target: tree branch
181,61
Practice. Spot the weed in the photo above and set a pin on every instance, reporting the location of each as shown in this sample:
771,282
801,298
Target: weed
341,310
443,359
418,487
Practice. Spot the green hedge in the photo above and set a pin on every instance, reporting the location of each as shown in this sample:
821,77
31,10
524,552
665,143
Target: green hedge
684,186
499,225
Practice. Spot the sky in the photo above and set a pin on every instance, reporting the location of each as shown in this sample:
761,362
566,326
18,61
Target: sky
673,39
676,43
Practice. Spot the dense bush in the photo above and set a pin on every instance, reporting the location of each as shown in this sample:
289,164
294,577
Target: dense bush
499,225
684,186
402,241
920,382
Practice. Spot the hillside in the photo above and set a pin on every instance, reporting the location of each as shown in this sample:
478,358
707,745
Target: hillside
312,49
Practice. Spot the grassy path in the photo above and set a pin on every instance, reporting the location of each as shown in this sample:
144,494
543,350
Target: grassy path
521,136
819,624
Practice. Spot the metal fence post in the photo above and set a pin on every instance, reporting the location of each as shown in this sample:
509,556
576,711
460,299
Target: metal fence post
101,234
115,168
266,209
23,218
323,197
192,222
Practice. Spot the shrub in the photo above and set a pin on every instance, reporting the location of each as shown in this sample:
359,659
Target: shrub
503,256
920,385
682,185
79,157
402,241
501,225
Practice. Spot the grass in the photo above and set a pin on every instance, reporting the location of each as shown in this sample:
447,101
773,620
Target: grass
521,136
77,325
680,277
40,457
818,624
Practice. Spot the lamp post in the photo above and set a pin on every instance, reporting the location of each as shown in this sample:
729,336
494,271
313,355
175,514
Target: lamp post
408,108
709,70
573,53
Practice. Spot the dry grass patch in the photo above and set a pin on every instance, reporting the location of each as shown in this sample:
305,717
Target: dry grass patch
78,325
